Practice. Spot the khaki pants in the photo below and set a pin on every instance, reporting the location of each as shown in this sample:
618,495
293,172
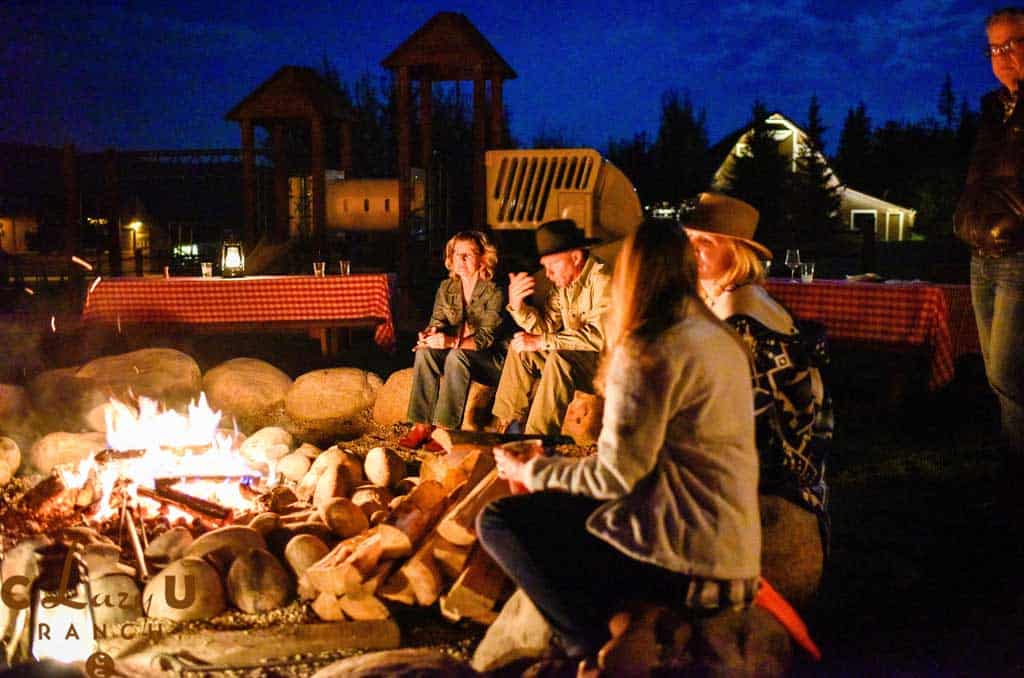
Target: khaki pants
556,375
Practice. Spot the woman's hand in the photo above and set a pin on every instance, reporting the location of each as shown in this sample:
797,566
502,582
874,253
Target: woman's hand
436,340
510,467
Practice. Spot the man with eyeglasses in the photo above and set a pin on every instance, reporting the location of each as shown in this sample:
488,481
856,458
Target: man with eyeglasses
990,220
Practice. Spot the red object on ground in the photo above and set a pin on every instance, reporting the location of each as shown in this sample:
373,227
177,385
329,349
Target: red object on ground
417,435
772,601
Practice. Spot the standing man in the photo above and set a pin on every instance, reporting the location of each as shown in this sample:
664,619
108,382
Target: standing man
990,219
560,345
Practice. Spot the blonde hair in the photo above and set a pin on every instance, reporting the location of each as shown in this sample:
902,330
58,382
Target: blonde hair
487,252
747,267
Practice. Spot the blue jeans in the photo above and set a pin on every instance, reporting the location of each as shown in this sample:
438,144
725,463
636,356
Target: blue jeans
997,290
440,383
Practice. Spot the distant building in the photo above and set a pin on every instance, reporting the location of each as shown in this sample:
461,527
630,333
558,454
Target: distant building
31,194
857,209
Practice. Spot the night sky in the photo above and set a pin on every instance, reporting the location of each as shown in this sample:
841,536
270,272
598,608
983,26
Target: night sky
138,75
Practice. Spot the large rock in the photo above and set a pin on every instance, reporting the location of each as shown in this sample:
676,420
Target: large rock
479,403
163,374
392,404
792,557
519,632
257,582
63,401
250,391
186,589
10,454
64,448
117,600
583,418
325,405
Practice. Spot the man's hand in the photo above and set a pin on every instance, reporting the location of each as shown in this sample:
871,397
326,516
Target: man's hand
520,286
524,341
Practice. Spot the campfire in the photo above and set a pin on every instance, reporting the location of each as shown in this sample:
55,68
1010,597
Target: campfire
161,463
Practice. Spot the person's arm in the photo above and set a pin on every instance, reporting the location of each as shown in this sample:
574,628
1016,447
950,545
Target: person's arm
438,315
538,321
636,413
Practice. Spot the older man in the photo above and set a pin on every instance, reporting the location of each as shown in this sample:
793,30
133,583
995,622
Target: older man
560,345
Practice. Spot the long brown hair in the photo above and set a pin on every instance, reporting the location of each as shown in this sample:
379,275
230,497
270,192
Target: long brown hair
655,273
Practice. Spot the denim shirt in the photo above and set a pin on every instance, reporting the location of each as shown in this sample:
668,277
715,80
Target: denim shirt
483,314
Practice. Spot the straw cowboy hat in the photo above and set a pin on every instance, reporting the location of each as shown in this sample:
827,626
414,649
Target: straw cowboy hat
561,235
719,214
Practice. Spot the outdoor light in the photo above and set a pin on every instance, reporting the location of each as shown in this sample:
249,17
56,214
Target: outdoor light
135,225
62,623
232,258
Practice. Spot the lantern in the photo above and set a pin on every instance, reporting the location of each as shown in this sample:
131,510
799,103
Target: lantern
62,623
232,258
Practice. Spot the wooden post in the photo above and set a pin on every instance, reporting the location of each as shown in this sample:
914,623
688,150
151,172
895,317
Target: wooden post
404,192
479,144
248,182
346,148
113,211
317,165
280,183
426,123
497,115
72,201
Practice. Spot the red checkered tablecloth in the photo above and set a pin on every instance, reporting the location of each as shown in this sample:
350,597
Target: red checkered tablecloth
251,300
963,328
899,314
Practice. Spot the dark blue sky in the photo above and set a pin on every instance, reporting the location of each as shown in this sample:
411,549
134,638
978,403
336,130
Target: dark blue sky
137,75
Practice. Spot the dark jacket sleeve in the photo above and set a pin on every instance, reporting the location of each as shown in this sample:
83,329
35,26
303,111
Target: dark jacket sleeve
439,315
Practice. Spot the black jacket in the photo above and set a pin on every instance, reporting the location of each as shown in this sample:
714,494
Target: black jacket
990,214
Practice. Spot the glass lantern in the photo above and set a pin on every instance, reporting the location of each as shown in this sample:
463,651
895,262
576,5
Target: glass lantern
232,258
62,623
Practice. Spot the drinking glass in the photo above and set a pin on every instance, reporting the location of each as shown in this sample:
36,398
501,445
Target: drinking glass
319,268
344,266
807,271
207,268
793,262
767,263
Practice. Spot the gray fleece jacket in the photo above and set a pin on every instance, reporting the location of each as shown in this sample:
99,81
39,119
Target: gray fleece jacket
676,459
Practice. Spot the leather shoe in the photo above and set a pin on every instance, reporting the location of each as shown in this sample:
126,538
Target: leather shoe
416,436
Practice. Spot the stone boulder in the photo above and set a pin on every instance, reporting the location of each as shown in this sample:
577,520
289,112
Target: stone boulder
64,448
186,589
792,557
171,377
392,402
248,390
519,632
10,454
62,400
583,418
119,600
479,403
325,405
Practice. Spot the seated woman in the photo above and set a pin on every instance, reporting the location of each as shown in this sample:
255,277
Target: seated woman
666,511
794,422
458,344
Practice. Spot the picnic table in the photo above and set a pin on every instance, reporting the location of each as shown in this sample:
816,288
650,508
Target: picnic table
901,314
319,305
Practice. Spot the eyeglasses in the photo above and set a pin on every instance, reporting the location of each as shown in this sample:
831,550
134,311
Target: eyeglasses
992,51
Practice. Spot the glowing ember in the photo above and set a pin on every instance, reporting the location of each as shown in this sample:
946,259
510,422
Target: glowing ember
189,449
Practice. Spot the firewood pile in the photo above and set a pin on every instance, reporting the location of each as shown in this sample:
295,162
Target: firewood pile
420,549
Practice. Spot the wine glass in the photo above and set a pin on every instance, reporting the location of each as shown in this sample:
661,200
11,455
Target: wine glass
793,263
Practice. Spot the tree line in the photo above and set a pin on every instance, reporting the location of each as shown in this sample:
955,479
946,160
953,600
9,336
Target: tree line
920,164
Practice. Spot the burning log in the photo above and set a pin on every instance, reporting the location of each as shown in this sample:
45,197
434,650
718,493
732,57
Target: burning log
47,491
200,508
108,455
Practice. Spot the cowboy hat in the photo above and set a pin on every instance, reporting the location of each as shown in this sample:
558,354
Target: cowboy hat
561,235
719,214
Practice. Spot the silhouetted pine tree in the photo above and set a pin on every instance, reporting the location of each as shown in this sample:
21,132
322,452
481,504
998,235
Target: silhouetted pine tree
635,157
853,156
761,176
680,151
812,202
947,103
